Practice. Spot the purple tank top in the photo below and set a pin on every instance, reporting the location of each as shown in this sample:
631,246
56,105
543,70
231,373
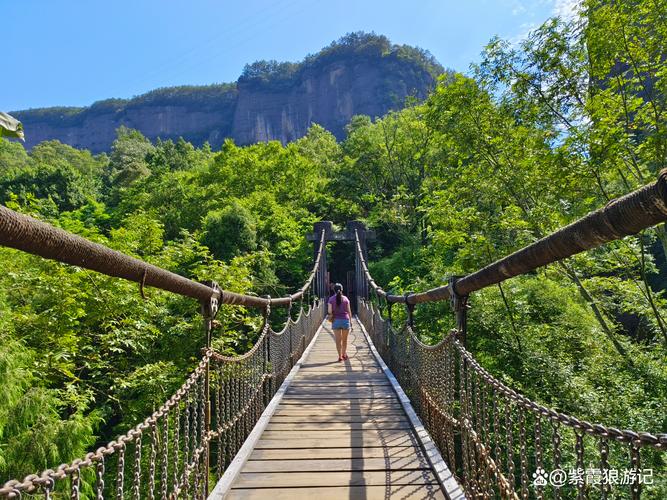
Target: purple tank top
339,311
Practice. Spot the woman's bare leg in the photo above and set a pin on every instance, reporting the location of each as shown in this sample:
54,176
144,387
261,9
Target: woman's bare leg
343,347
338,336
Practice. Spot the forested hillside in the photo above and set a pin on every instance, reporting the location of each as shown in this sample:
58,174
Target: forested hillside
535,137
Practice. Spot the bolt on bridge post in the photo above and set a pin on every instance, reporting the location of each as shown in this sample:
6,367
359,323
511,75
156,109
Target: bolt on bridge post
459,304
209,310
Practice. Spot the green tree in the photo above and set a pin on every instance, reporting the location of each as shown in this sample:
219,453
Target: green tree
230,232
128,160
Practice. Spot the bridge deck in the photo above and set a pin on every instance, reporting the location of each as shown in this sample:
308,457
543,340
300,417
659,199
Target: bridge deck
339,432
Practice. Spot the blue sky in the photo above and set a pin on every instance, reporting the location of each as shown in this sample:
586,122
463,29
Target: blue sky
74,52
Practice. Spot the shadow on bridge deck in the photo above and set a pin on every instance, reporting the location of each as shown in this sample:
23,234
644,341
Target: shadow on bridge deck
339,431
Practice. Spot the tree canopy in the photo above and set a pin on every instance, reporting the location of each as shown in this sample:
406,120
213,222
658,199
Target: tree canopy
535,137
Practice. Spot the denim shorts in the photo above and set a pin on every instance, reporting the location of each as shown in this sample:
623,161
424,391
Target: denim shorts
341,324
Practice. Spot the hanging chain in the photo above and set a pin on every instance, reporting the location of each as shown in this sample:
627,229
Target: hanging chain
137,467
99,479
555,442
151,480
121,472
523,458
605,486
539,488
635,462
579,450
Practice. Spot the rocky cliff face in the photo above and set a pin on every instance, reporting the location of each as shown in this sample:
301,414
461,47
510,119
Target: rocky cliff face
329,96
327,89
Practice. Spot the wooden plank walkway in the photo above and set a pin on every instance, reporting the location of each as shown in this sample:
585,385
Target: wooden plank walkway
339,432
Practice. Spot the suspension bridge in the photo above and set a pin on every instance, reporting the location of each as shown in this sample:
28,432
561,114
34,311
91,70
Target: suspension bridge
399,419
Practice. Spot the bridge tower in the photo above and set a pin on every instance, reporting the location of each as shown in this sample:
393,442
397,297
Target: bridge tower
356,287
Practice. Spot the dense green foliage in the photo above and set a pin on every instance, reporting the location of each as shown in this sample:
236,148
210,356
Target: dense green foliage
359,46
537,136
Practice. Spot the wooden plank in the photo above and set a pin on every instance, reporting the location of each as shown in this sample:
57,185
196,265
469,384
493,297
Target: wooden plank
333,404
337,464
339,415
338,435
335,453
336,406
339,408
326,356
328,390
325,442
335,426
385,492
341,368
334,395
360,401
347,365
353,352
341,379
350,419
329,479
343,383
325,389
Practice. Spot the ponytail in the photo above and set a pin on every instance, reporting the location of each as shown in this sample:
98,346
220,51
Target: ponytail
338,288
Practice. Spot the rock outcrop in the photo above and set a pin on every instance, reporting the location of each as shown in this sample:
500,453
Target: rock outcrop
359,74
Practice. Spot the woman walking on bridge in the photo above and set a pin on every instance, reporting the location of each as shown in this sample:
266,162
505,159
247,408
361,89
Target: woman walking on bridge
340,315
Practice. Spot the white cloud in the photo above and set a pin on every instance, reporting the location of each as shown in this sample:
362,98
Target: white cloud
518,8
524,31
566,9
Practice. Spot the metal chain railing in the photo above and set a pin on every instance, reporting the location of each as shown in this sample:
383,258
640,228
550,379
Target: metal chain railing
189,441
500,443
165,455
497,441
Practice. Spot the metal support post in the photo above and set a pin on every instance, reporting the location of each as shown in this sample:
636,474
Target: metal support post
411,310
459,304
267,361
209,310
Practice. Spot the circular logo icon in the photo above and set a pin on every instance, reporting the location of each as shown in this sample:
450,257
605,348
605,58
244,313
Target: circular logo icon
558,478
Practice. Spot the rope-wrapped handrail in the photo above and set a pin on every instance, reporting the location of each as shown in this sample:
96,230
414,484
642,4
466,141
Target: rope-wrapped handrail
625,216
30,235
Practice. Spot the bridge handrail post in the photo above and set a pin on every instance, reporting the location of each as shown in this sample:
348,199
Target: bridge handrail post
290,332
410,309
209,311
459,305
267,359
